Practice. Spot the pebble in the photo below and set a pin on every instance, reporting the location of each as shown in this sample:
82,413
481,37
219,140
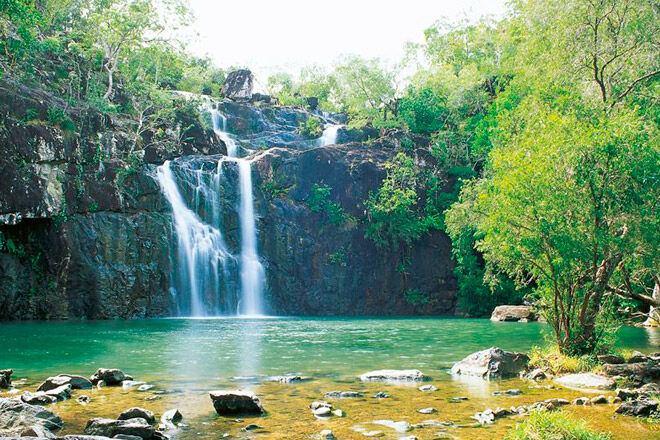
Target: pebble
427,410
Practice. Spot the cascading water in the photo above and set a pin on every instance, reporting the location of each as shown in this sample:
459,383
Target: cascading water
329,136
205,268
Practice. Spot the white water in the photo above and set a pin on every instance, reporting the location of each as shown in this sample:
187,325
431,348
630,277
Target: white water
202,263
329,136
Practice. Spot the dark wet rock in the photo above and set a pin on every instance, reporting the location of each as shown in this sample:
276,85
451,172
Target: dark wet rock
38,398
610,359
641,371
137,412
491,363
343,395
17,416
5,378
381,395
238,85
581,401
171,417
83,399
638,357
536,374
235,402
585,381
111,427
250,427
598,400
111,376
393,376
76,382
513,313
127,437
511,392
640,407
290,379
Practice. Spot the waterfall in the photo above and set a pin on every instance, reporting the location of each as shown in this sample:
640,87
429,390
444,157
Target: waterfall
329,136
209,279
252,272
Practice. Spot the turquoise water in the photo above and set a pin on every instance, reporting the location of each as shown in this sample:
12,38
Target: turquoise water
206,350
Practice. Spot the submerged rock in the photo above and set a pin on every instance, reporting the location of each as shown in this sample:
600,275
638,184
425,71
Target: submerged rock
491,363
427,410
513,313
381,395
17,416
111,376
343,395
511,392
137,412
5,378
397,426
233,402
290,379
585,381
428,388
393,376
640,407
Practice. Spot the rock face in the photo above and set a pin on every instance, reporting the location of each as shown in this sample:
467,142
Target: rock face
586,381
513,313
393,376
238,85
17,417
236,402
103,231
491,363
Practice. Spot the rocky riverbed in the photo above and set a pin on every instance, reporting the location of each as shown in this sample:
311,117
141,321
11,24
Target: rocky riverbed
383,404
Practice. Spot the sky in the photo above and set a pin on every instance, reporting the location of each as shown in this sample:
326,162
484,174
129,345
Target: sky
284,35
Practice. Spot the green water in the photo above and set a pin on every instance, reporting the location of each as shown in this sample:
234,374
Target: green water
208,350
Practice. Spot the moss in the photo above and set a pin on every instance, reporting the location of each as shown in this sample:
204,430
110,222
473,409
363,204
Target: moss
546,425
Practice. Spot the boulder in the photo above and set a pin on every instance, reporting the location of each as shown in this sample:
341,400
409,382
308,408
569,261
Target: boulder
582,381
5,378
644,391
610,359
598,400
38,398
393,376
513,313
76,382
137,412
238,85
111,427
641,371
582,401
641,407
638,357
111,376
536,374
60,393
233,402
17,416
491,363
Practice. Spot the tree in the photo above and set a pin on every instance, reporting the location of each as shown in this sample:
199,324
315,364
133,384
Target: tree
570,202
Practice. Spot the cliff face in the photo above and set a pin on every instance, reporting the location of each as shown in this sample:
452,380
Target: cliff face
86,232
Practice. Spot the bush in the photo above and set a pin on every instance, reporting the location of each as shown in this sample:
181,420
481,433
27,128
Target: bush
553,426
312,127
319,201
549,358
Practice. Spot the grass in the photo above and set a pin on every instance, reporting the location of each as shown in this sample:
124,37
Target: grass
555,425
550,359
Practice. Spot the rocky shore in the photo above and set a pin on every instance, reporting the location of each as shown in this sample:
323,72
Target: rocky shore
32,413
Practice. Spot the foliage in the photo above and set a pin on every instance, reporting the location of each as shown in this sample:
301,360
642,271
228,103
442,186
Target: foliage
553,425
339,257
312,127
416,297
549,358
320,200
273,191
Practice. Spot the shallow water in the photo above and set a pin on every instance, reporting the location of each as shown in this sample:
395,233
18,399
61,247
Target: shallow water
184,358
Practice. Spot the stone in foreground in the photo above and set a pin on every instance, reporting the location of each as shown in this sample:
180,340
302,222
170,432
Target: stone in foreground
513,313
76,382
137,412
585,381
642,407
17,417
111,427
491,363
393,376
235,402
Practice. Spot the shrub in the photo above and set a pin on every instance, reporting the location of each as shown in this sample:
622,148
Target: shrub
319,201
549,358
547,425
312,127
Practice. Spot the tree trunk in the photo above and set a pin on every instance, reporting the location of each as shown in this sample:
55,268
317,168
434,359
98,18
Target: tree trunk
654,313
